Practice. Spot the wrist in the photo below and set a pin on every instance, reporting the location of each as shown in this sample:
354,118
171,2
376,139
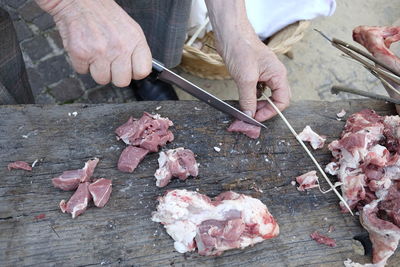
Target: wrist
52,6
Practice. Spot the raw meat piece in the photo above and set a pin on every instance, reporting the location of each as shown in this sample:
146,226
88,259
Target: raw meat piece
130,158
22,165
248,129
100,190
307,181
149,132
229,221
69,180
321,239
77,204
341,114
315,140
332,168
179,163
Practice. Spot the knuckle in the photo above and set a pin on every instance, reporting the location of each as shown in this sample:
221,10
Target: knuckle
78,53
141,74
100,47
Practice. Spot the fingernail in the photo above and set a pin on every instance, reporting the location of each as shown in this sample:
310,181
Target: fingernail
248,113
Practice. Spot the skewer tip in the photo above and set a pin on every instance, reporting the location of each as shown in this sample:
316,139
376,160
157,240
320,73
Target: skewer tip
323,35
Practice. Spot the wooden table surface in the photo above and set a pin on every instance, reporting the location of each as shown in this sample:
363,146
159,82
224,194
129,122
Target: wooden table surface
122,232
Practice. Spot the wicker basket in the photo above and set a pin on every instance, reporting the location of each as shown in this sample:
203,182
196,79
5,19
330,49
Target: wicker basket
206,63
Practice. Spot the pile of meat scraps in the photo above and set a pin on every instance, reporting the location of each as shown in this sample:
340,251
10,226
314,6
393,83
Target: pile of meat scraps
86,189
142,136
367,162
229,221
179,162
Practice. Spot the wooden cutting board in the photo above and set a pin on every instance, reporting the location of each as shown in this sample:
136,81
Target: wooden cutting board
122,233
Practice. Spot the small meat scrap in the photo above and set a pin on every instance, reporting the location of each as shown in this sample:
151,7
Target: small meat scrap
149,132
307,181
308,135
77,204
248,129
40,216
229,221
178,162
130,158
100,191
69,180
341,114
21,165
321,239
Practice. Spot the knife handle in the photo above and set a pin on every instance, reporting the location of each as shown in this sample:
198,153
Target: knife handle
261,86
157,65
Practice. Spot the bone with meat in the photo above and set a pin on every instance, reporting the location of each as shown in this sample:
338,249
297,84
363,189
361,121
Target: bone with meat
229,221
367,163
315,139
178,162
377,40
69,180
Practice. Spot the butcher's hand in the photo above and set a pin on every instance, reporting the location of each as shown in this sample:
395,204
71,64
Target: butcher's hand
101,38
248,60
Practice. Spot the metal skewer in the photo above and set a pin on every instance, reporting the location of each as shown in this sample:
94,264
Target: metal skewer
359,51
308,152
336,89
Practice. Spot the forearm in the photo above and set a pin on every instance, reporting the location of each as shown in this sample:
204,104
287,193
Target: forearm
229,20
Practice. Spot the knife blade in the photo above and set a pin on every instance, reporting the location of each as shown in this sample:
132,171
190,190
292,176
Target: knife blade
167,75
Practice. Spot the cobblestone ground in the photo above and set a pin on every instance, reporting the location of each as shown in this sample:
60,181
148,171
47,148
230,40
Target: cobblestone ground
50,73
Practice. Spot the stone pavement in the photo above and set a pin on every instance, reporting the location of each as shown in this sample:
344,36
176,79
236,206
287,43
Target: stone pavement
315,68
50,73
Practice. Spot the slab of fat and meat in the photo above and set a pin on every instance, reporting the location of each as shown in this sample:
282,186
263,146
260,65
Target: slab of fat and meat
229,221
367,163
179,162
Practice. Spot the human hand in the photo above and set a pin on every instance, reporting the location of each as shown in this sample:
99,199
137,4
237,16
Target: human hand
247,59
253,62
101,38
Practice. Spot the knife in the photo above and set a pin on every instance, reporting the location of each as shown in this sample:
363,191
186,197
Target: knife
167,75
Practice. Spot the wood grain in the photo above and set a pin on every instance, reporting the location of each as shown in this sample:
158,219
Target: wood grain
122,233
